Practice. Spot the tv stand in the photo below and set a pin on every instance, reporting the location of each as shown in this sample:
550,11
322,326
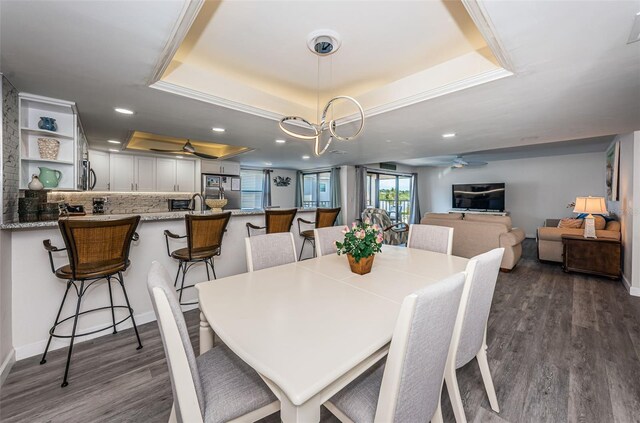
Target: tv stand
486,212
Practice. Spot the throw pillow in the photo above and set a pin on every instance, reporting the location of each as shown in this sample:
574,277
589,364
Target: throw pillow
570,223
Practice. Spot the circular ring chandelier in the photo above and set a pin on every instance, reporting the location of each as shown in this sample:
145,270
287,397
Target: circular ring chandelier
322,43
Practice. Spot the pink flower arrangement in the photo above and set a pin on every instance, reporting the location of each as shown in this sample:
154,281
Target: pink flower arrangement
362,240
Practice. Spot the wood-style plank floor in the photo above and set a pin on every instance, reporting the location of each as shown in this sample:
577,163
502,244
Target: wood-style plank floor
562,348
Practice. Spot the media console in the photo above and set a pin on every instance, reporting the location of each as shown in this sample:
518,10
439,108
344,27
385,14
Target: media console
486,212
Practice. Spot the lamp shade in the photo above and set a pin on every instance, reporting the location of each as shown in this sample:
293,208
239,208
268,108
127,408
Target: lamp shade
590,205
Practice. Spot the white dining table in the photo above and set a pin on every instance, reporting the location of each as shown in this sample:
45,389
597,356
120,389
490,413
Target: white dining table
311,327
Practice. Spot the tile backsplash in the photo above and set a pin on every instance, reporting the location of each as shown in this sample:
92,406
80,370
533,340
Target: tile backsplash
120,202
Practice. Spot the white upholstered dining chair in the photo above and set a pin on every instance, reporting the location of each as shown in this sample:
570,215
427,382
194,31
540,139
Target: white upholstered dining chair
470,333
270,250
438,239
326,239
216,386
407,387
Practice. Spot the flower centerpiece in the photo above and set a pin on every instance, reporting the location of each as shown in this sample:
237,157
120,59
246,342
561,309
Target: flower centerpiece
360,244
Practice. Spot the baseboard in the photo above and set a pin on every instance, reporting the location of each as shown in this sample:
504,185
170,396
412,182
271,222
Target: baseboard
6,365
37,348
633,290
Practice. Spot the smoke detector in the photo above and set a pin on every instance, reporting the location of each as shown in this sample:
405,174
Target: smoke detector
324,42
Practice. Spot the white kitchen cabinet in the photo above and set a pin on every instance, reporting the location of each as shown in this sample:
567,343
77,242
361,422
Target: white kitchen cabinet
166,171
99,161
186,175
220,167
121,172
145,173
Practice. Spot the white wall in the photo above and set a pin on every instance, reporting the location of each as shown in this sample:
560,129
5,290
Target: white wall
536,188
348,187
624,208
283,196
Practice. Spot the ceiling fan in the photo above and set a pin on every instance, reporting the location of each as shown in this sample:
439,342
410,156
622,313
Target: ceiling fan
458,163
187,148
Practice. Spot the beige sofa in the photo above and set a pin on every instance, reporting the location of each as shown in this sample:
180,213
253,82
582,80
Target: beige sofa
475,234
550,237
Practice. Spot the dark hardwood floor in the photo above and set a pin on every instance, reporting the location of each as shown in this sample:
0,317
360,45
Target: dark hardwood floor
562,348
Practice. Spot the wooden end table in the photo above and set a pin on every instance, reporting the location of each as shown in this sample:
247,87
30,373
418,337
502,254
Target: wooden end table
595,256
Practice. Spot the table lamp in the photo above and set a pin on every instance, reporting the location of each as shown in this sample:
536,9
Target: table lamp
590,205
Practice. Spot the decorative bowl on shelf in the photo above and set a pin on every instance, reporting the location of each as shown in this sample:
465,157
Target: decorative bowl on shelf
216,204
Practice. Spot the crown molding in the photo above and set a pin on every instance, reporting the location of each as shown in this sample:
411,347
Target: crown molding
480,17
188,14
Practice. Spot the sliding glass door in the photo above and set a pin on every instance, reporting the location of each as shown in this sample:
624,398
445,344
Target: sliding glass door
391,193
317,189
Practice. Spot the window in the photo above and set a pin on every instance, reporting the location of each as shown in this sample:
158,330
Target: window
391,193
251,185
317,189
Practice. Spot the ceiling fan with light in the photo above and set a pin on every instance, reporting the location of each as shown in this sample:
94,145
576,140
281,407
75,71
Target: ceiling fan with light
187,148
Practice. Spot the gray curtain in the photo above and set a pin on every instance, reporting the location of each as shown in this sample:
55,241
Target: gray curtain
415,203
266,188
361,190
336,192
299,188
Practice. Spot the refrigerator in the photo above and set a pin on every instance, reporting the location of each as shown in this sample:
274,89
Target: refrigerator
222,186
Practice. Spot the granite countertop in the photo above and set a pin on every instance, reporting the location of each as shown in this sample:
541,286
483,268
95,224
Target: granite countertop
144,217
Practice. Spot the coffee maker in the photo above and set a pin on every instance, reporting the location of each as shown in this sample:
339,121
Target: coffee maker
98,205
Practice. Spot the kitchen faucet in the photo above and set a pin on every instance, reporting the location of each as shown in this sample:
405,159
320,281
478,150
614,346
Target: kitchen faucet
192,203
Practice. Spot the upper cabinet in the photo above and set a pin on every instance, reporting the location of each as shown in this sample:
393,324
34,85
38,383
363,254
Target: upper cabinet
127,172
51,142
220,167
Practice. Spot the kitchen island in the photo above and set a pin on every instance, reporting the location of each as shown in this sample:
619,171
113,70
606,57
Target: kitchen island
36,292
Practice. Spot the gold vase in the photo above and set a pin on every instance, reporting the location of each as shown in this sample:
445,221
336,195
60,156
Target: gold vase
363,266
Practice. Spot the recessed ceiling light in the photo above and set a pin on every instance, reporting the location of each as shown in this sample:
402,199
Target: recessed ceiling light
179,157
305,157
217,129
281,141
268,163
114,150
113,141
449,135
123,111
388,141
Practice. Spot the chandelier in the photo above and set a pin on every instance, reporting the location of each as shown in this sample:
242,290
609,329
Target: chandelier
322,43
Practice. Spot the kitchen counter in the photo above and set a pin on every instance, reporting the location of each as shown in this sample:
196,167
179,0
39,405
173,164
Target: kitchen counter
36,292
170,215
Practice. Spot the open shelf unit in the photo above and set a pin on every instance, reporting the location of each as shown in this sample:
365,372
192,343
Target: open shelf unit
69,134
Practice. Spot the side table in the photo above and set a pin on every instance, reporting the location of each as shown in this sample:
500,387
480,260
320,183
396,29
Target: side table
596,256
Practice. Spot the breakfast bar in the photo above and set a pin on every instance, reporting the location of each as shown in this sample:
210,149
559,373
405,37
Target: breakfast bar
37,292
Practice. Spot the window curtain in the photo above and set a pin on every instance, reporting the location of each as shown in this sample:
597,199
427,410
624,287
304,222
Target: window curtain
336,192
414,217
361,190
299,188
266,188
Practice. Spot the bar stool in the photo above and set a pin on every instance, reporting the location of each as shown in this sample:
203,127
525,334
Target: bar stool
97,250
324,219
204,241
276,221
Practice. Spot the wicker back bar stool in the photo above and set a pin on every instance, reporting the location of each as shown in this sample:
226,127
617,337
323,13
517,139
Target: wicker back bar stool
324,219
204,242
276,221
97,250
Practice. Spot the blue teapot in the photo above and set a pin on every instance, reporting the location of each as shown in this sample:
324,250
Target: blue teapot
49,177
48,124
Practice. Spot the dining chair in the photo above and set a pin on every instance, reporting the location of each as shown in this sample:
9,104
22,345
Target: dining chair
407,387
393,233
324,219
97,250
216,386
470,333
438,239
275,221
204,242
326,238
269,250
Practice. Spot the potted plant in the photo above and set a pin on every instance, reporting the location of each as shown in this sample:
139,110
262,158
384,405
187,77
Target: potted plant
360,244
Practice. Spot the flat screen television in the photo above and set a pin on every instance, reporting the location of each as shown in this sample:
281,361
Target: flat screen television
478,196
